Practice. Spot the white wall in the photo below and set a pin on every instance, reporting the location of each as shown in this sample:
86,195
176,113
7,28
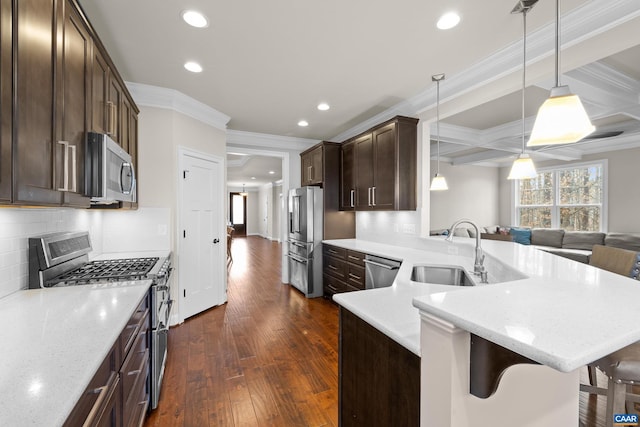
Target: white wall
161,132
473,194
277,208
253,213
623,178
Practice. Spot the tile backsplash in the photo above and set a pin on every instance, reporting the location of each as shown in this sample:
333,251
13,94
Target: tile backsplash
110,231
17,225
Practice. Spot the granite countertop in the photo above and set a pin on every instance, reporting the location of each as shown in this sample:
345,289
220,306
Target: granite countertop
53,342
559,312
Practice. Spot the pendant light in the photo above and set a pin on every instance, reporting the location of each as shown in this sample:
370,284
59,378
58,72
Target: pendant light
523,167
244,193
562,118
438,183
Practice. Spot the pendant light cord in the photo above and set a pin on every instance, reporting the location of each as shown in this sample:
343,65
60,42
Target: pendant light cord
524,70
438,126
557,43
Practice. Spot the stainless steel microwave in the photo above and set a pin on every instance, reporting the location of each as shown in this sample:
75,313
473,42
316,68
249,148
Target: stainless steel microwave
109,171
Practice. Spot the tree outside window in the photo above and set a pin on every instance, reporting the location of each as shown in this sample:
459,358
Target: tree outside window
568,198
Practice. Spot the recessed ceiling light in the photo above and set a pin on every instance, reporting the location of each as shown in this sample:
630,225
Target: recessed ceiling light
195,19
271,172
253,177
194,67
303,123
323,106
448,20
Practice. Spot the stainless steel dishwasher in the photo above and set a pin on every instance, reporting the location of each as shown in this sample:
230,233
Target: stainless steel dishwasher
380,272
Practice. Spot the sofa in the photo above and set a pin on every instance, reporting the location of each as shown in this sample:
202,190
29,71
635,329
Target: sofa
575,245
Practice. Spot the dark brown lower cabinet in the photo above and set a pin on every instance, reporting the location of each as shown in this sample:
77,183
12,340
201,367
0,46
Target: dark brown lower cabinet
118,394
379,378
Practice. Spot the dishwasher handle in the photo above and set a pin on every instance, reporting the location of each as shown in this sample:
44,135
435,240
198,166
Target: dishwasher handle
379,264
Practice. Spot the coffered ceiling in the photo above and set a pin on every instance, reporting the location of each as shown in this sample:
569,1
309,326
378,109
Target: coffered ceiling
268,64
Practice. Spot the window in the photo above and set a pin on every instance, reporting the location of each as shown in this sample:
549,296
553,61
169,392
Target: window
571,198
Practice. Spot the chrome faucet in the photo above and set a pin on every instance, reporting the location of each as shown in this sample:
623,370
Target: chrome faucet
478,266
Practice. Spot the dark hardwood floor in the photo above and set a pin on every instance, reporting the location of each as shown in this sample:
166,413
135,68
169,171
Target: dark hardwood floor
269,357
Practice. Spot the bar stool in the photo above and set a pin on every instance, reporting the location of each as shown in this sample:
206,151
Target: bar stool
623,366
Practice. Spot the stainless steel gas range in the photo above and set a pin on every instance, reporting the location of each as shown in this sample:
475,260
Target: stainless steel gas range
61,259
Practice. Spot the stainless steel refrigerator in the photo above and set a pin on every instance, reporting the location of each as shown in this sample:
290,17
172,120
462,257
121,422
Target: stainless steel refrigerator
305,240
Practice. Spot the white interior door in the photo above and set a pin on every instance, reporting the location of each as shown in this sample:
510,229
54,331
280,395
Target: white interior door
202,240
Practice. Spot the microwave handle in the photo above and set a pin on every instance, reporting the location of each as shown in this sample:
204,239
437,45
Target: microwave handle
127,165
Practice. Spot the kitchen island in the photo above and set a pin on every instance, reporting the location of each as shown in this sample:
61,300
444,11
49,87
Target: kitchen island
554,313
54,340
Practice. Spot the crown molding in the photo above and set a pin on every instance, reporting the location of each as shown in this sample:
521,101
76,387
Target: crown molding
161,97
238,163
268,141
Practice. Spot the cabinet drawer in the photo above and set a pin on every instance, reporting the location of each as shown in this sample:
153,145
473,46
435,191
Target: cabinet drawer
335,267
138,394
333,285
138,320
355,257
95,402
134,363
334,251
355,276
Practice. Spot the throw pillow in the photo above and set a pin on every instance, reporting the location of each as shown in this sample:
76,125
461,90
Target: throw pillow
521,235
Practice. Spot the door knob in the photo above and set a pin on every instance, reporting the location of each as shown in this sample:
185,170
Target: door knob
216,240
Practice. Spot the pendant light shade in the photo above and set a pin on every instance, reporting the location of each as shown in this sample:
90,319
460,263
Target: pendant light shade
438,183
562,118
243,193
523,167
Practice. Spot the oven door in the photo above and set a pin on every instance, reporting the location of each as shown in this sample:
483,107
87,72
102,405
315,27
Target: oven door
159,338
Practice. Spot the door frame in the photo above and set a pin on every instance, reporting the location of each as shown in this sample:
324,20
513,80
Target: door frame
286,185
244,204
221,182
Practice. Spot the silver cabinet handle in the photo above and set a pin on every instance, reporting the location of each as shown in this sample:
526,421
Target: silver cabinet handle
369,196
69,152
373,197
353,196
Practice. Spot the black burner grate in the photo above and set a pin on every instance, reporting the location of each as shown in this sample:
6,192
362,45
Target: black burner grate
107,270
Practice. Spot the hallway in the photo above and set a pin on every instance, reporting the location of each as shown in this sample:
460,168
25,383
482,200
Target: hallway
267,357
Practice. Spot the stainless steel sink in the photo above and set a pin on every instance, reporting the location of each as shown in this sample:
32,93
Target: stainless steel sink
441,275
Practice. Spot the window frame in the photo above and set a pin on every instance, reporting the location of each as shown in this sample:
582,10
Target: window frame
556,206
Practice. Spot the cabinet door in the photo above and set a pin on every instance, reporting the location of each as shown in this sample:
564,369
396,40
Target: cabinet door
305,169
100,89
347,177
364,171
38,159
5,101
133,151
74,83
317,166
114,105
384,168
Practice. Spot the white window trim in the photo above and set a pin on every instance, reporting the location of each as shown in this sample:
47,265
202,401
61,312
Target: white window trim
604,217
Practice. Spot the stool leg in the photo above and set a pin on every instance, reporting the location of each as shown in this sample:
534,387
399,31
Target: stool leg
616,394
593,375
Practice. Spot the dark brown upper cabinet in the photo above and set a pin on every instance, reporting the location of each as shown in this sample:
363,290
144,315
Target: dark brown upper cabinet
50,97
385,166
347,177
321,167
312,166
6,113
